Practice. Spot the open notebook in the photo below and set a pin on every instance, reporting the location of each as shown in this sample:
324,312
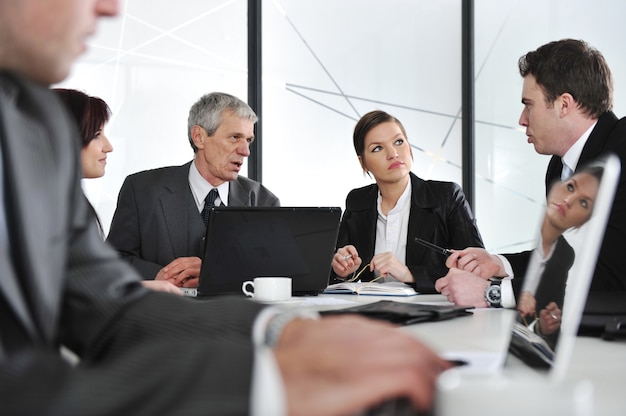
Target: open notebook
563,279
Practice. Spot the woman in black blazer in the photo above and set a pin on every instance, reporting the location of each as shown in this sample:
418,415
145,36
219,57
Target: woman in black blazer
382,221
569,205
91,114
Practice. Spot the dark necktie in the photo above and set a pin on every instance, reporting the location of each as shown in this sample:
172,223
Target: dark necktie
209,202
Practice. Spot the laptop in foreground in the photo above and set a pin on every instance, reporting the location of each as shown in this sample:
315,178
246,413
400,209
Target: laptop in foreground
242,243
543,386
562,279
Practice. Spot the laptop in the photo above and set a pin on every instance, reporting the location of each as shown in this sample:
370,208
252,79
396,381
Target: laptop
242,243
543,387
569,271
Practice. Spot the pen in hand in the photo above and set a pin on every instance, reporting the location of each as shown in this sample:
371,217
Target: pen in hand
445,251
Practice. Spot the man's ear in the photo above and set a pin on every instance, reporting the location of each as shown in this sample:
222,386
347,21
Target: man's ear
566,103
197,136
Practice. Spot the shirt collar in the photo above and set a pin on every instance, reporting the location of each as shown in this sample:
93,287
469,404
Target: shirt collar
200,187
571,157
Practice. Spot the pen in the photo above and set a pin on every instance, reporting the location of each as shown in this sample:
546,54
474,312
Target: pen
444,251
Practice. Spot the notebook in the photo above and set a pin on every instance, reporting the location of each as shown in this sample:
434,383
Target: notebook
575,260
242,243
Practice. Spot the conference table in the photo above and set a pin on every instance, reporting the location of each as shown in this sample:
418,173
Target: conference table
591,382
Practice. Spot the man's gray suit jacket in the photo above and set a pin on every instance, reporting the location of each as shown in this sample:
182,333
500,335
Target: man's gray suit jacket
156,220
142,352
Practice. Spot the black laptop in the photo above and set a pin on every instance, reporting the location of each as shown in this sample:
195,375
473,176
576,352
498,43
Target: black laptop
246,242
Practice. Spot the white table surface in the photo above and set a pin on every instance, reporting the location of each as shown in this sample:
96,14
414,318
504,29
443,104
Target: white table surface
594,381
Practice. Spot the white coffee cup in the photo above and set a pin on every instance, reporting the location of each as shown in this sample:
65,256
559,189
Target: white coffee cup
268,289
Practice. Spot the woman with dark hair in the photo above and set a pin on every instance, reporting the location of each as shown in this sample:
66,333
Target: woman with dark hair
383,223
569,206
91,115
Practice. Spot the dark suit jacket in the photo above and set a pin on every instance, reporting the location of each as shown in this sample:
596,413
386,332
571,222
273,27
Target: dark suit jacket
439,214
552,283
608,136
153,223
142,352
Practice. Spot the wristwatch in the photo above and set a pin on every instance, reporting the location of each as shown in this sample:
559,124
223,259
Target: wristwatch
493,294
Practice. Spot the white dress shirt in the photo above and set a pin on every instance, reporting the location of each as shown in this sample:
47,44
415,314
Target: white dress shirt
392,229
200,188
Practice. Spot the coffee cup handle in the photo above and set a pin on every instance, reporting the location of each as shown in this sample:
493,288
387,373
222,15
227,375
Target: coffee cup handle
244,290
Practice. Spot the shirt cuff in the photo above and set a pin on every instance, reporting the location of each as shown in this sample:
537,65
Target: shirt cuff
268,391
506,287
508,269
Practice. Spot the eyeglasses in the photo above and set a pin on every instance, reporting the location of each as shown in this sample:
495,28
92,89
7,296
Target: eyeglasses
356,276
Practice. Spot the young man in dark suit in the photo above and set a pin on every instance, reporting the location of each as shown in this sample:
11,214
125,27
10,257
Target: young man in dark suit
158,225
568,98
143,352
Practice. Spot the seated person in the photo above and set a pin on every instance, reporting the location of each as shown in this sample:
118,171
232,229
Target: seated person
569,205
91,114
144,352
158,224
381,220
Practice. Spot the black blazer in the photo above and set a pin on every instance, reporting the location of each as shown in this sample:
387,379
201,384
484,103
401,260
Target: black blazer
439,214
552,283
62,285
153,223
608,136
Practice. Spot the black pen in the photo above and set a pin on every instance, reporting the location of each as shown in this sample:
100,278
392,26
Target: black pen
445,251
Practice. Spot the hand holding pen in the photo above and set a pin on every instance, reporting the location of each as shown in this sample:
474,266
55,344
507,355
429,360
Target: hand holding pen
477,261
346,261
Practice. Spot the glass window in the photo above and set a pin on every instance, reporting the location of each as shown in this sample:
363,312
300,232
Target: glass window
328,62
510,191
150,64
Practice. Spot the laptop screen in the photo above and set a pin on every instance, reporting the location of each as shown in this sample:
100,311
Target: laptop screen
246,242
552,298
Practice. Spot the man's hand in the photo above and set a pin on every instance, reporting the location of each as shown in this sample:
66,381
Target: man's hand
478,261
162,286
182,272
463,288
346,364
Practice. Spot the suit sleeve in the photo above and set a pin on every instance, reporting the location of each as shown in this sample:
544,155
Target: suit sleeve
519,264
125,234
455,228
144,363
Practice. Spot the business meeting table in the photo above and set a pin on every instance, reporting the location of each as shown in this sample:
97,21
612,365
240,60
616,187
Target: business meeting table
592,381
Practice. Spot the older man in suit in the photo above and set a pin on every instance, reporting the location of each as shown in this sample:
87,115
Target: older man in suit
143,352
157,225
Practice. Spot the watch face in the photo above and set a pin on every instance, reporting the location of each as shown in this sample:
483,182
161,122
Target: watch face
493,294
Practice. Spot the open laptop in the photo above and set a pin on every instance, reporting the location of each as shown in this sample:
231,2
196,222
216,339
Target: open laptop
246,242
575,260
540,390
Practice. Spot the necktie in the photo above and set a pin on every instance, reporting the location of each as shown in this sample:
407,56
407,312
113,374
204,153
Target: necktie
566,172
209,202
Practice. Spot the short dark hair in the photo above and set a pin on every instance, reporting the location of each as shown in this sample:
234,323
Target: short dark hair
90,113
367,123
571,66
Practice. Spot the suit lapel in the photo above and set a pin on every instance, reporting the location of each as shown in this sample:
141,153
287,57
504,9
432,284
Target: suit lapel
175,205
32,198
421,221
237,197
